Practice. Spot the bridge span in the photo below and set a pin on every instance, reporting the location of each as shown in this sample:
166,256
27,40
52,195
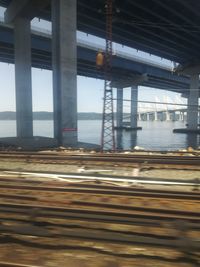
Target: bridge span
128,69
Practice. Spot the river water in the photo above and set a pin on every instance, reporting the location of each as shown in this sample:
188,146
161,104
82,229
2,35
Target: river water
155,135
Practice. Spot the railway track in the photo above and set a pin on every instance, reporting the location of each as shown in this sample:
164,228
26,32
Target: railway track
99,178
9,264
99,190
102,219
108,159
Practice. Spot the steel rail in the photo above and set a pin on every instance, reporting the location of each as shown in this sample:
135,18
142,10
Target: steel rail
88,151
94,178
176,260
141,256
136,192
100,236
104,226
94,215
101,204
11,264
139,239
99,155
79,233
141,216
135,209
183,163
36,227
39,220
97,181
102,190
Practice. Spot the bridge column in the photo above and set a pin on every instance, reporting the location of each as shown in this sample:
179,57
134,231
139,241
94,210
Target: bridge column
181,115
64,58
199,118
167,118
134,106
192,110
148,116
119,107
23,83
119,139
155,116
173,115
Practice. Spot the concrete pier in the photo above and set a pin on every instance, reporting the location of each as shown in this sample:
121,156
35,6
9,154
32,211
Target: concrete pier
148,116
119,107
167,116
64,58
119,139
134,106
192,112
23,83
155,116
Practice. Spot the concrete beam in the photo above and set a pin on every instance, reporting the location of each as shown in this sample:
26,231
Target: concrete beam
185,95
189,68
140,79
133,80
24,8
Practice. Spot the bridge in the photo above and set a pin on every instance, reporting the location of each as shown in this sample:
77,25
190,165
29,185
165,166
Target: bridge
151,26
169,110
127,68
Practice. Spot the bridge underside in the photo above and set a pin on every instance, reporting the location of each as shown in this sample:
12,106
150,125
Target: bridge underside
154,26
123,76
88,69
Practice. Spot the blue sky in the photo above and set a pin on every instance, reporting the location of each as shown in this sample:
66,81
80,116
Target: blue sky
90,91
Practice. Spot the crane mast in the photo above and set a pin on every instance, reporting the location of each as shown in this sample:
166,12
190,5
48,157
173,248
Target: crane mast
108,136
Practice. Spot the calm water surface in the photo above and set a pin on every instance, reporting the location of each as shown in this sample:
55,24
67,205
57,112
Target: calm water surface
155,135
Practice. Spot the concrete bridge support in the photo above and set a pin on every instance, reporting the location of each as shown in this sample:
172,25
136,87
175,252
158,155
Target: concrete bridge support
184,116
119,139
23,83
119,107
134,106
173,115
199,118
181,116
64,58
155,116
148,116
192,112
167,114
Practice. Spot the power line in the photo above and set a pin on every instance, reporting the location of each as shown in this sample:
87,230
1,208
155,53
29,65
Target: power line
184,27
158,103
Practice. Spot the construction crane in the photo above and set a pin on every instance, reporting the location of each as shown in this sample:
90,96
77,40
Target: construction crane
108,135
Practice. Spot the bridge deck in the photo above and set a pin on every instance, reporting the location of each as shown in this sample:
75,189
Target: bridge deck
154,26
126,67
